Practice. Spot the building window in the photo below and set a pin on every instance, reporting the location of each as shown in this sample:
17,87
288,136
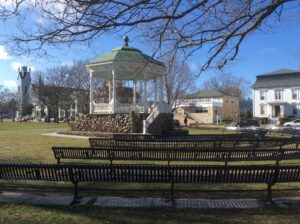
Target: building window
262,109
278,94
202,110
263,95
295,94
295,110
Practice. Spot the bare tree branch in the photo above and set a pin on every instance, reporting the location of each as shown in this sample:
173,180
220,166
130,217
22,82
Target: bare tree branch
216,28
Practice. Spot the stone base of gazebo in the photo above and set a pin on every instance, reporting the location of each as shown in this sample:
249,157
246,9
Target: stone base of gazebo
122,123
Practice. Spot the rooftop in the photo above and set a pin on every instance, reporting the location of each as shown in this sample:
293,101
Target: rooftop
127,63
206,93
282,71
278,78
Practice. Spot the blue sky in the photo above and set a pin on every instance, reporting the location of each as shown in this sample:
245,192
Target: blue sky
274,48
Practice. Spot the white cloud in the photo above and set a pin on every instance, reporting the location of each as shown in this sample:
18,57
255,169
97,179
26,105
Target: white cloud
15,65
10,84
3,53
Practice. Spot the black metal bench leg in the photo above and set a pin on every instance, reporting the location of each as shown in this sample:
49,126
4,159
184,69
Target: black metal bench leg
58,161
269,193
172,194
76,196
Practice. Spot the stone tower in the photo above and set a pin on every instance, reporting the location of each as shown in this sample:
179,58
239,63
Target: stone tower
24,82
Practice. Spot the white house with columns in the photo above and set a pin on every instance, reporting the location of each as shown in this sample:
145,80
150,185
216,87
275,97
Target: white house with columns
129,64
277,94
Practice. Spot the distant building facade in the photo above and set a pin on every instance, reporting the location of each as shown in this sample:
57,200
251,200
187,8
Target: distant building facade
277,94
208,106
29,100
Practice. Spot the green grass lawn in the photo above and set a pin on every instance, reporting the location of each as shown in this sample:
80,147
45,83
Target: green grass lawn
20,126
21,214
25,142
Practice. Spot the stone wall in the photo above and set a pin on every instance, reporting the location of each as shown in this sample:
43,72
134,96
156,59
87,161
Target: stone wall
114,123
163,123
122,123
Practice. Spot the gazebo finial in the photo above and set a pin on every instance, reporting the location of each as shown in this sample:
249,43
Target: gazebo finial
126,39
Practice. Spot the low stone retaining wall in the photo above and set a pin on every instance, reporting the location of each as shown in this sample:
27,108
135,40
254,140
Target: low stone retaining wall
121,123
113,123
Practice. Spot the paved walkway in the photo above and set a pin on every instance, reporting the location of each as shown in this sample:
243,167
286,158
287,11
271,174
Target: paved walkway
55,134
55,199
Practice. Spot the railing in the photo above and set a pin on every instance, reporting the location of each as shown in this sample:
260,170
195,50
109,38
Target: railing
119,108
127,108
156,110
102,108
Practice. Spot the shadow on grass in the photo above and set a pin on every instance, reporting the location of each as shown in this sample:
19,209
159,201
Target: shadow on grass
22,213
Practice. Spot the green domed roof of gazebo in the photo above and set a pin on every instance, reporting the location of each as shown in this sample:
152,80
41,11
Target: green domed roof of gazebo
127,63
125,53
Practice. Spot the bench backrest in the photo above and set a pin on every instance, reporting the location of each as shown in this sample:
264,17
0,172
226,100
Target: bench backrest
186,137
219,155
199,144
268,174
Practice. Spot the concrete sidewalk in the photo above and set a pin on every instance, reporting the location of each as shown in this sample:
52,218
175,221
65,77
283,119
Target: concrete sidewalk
55,199
55,134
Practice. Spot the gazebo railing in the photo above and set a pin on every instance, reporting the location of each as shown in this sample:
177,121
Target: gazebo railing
119,108
127,108
102,108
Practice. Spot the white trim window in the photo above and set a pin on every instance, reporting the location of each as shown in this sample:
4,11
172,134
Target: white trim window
278,94
263,95
295,94
295,109
262,109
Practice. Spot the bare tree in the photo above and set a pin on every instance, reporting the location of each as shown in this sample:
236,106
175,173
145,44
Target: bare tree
79,79
229,84
217,28
7,102
55,91
179,80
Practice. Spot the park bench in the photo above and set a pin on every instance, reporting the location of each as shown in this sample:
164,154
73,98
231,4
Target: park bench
169,155
167,174
186,137
286,131
195,144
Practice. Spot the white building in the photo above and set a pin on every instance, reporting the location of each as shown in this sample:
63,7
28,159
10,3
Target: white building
208,106
277,94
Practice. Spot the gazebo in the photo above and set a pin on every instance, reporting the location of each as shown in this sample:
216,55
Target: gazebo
131,65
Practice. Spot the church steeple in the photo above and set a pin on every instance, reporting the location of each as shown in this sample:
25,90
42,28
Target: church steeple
24,86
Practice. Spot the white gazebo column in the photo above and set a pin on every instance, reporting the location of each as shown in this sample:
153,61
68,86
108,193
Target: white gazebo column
109,91
71,111
145,92
76,106
134,91
161,88
113,91
155,90
91,92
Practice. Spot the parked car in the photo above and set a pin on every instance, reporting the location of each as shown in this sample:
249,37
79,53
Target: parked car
294,123
247,123
244,125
